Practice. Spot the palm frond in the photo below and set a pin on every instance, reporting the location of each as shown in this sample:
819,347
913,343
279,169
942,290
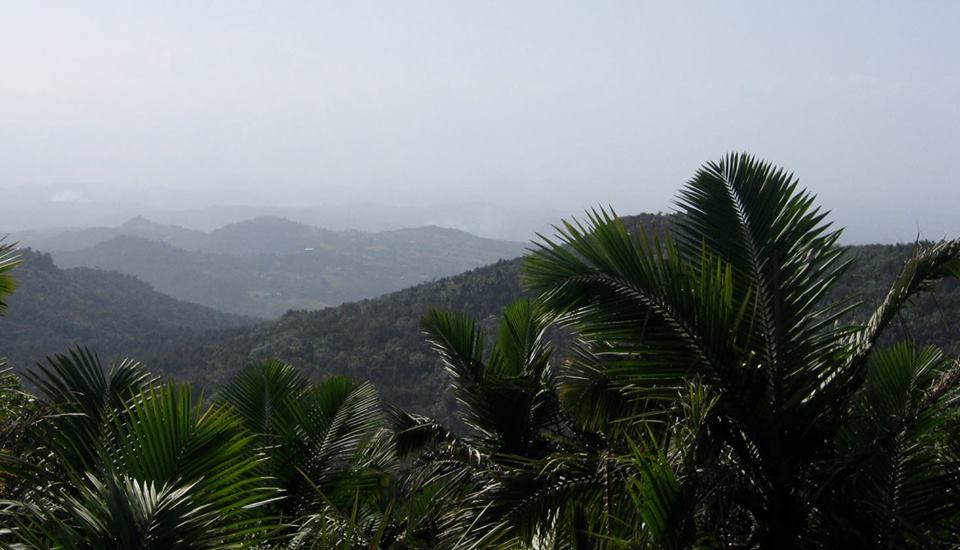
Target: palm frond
120,512
506,397
81,396
415,434
263,395
785,257
9,259
919,273
164,435
648,317
896,473
342,449
318,440
165,471
522,348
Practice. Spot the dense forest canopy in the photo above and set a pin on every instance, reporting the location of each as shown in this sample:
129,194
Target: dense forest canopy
116,314
704,381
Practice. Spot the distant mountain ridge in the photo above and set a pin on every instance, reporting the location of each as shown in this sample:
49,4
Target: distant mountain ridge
70,239
259,235
34,207
268,265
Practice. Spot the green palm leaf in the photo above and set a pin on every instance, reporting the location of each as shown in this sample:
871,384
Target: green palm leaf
740,300
516,456
264,396
121,513
82,396
648,317
340,423
163,435
506,397
321,442
119,463
919,273
898,475
9,259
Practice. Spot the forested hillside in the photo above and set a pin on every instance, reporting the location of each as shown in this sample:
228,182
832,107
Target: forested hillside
112,313
380,339
377,339
267,266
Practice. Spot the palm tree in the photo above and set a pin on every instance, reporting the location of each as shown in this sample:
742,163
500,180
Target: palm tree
541,474
326,447
812,418
13,404
528,474
117,461
329,448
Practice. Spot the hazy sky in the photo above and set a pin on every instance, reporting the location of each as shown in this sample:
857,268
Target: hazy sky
549,104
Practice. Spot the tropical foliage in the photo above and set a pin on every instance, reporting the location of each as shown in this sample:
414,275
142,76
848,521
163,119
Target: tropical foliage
8,260
117,461
379,340
11,399
703,386
739,301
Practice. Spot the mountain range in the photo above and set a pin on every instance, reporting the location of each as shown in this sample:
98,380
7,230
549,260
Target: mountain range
266,266
75,205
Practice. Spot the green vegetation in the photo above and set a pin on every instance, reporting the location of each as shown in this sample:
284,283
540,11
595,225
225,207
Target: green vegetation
705,385
8,260
115,314
380,340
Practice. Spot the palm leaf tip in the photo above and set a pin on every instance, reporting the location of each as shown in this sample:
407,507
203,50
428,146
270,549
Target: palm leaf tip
9,259
927,265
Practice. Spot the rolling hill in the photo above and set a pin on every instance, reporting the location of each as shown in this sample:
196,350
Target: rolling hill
114,314
267,266
378,339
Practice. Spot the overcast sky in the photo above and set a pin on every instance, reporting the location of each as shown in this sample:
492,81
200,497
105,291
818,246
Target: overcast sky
535,104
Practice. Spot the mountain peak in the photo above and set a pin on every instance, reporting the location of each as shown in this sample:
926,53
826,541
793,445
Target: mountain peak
138,222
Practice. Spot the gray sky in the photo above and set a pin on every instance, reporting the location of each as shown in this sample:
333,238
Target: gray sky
535,104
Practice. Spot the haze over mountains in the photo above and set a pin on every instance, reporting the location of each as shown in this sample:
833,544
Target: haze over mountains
30,208
266,266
